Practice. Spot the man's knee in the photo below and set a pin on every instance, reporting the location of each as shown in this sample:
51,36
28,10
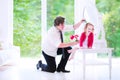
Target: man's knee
68,48
52,69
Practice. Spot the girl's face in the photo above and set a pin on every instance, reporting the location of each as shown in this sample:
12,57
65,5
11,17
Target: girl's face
89,29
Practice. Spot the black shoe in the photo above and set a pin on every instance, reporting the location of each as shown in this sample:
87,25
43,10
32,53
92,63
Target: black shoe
64,71
39,64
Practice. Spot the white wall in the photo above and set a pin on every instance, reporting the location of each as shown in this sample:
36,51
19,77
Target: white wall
86,9
6,22
43,18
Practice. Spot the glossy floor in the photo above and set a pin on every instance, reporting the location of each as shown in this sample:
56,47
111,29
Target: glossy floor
26,70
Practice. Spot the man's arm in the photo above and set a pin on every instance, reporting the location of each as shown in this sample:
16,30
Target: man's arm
78,24
63,45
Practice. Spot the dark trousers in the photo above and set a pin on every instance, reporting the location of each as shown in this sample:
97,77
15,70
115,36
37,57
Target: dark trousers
51,62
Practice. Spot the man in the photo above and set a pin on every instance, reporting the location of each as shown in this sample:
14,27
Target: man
53,44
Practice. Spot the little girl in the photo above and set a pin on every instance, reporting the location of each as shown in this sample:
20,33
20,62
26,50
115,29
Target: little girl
86,39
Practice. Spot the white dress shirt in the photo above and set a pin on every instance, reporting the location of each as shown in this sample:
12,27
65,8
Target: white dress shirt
52,40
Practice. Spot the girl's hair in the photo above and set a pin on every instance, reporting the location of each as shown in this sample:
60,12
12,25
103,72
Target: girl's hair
87,26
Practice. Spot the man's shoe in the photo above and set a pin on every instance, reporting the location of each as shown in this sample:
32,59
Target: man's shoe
64,71
39,64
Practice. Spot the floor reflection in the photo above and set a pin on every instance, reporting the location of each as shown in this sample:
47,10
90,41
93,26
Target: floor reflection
9,73
27,71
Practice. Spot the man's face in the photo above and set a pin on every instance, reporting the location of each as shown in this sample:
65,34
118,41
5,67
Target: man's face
61,26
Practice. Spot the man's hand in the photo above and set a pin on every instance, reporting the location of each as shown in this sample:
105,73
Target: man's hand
83,20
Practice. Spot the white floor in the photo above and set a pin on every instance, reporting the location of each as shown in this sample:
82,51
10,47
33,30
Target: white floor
26,70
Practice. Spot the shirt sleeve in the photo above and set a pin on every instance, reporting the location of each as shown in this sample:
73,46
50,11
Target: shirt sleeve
54,39
90,40
82,38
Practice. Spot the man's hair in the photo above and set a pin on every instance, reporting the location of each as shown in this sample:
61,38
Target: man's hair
58,20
